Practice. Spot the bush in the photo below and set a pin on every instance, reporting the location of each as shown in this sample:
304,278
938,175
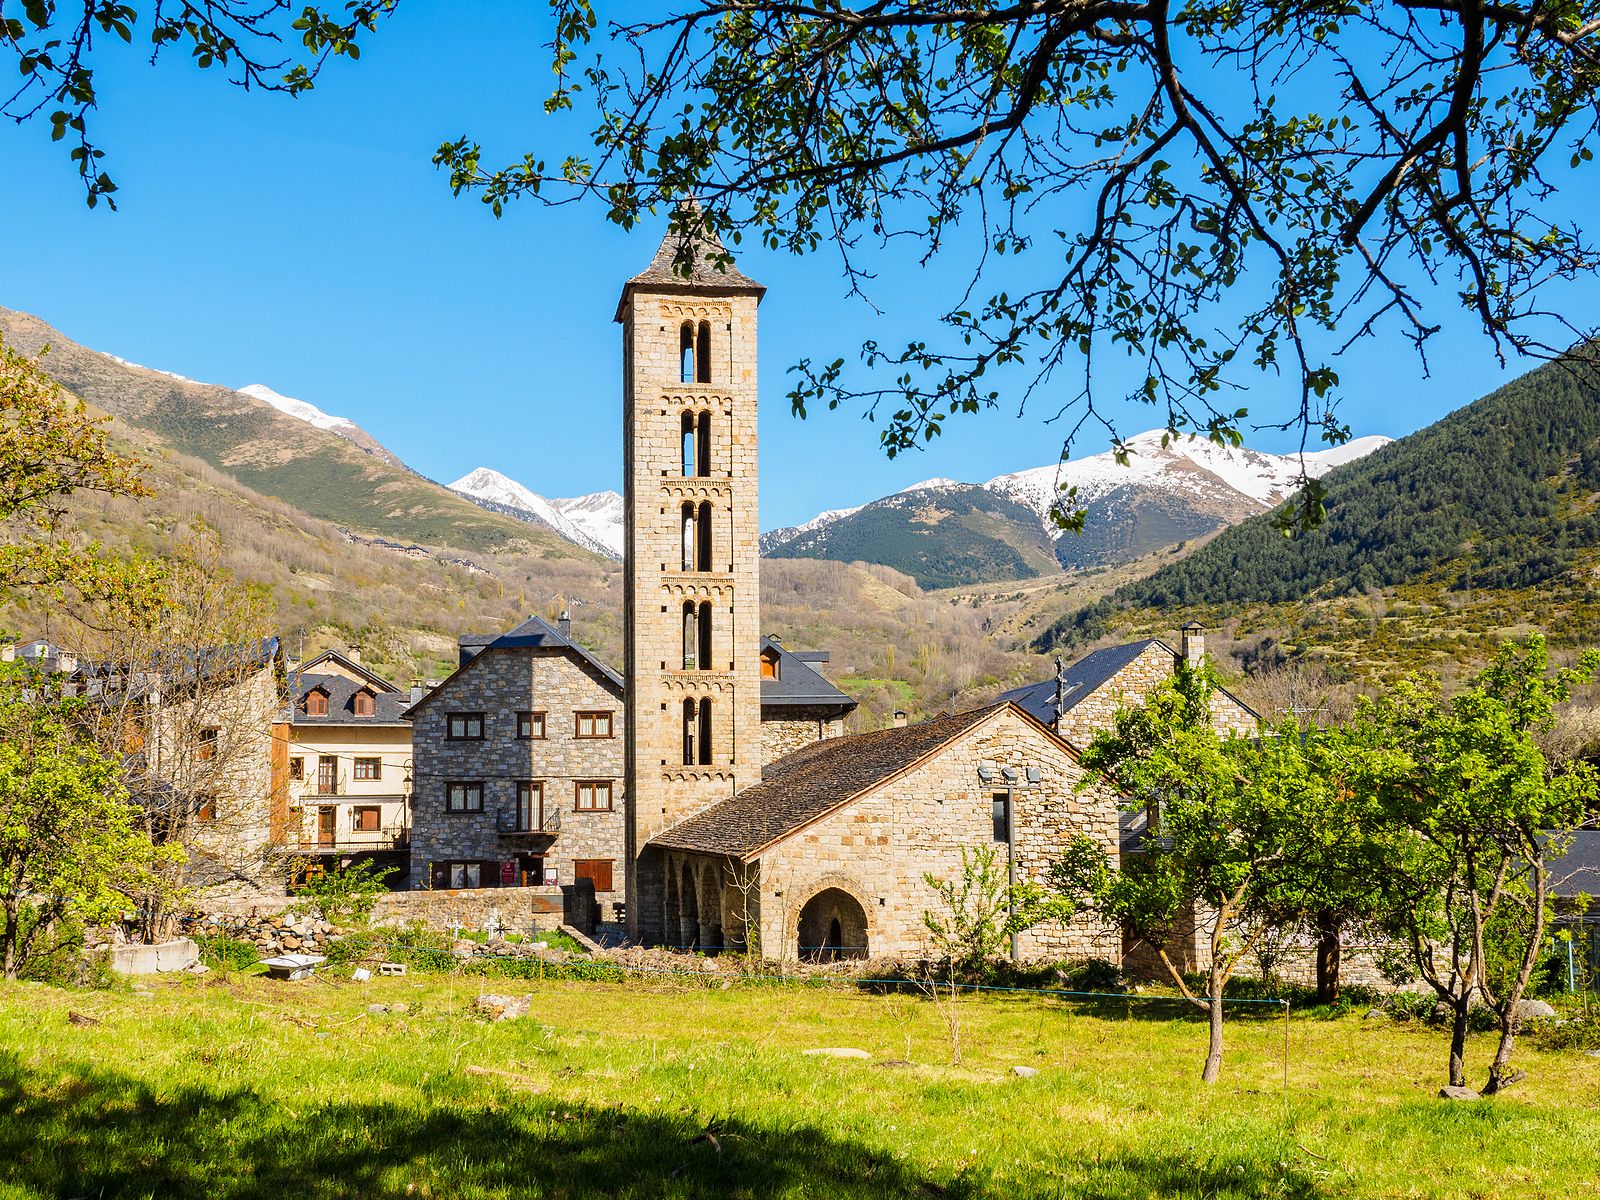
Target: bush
61,960
351,948
346,893
227,954
1092,975
1579,1033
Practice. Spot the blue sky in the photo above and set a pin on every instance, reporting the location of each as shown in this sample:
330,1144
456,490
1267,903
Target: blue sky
310,245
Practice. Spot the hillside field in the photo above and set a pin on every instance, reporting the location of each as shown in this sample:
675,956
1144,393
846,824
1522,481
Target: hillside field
234,1086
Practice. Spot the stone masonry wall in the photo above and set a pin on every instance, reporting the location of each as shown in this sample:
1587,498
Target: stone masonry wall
500,684
785,734
878,849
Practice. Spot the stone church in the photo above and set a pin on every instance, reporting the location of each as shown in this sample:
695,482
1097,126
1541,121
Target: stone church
808,843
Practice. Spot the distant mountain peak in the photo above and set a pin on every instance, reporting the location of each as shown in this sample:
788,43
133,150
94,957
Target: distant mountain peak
593,521
304,410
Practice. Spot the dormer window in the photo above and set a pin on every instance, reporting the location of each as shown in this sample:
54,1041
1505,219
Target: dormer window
769,664
363,703
316,703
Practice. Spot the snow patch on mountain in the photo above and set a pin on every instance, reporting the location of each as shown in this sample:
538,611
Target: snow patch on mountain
153,370
593,521
300,409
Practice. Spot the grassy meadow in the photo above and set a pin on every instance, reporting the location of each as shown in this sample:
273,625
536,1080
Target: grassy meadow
231,1085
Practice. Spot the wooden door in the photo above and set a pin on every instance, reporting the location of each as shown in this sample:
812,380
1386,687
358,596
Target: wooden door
327,825
327,775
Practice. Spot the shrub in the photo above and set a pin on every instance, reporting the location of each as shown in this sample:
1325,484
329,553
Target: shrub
1092,975
346,893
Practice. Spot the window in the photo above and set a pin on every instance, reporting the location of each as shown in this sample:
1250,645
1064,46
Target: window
206,743
530,725
596,869
686,363
363,704
366,818
697,635
695,429
1002,817
702,346
369,768
463,797
592,725
297,767
769,664
465,726
530,806
697,537
592,795
205,808
697,732
316,703
464,874
327,775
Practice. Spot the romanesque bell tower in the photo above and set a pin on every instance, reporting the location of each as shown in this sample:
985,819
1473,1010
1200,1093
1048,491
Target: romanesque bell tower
691,572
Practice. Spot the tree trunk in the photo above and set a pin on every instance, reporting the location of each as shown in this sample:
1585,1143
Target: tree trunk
1500,1076
1213,1067
8,942
1329,954
1458,1039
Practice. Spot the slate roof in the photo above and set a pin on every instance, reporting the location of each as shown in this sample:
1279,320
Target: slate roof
378,682
341,689
799,684
1086,676
809,783
1083,678
703,272
1577,872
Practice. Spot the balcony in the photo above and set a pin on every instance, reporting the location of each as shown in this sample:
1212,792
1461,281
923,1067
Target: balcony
344,841
518,822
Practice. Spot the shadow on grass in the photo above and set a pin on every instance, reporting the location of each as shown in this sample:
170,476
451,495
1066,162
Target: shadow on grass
77,1133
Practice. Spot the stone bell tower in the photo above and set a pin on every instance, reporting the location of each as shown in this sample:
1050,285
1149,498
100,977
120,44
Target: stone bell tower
691,571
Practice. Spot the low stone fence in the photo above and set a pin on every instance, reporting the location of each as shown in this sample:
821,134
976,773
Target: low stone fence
270,932
512,909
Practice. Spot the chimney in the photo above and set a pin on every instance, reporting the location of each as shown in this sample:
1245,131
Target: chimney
1192,643
416,691
354,656
8,653
899,718
564,624
66,662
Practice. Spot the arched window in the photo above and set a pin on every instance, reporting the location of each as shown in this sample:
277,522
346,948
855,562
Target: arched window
316,703
690,552
696,636
697,733
703,538
695,432
703,352
686,355
362,703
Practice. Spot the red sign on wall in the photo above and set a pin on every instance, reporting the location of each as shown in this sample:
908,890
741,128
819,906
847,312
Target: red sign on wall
508,873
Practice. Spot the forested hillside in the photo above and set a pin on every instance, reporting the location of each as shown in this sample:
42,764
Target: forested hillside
1498,495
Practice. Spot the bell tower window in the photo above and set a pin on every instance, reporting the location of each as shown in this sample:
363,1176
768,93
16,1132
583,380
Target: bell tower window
694,352
696,636
686,355
695,432
697,732
697,536
703,352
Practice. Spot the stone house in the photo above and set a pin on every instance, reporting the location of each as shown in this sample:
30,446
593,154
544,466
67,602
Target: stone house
1084,697
827,856
345,765
528,790
517,767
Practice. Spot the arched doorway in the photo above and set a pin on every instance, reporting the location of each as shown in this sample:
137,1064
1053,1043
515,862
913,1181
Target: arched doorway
833,925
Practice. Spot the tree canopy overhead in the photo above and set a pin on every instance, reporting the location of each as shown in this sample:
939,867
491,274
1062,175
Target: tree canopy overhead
1216,189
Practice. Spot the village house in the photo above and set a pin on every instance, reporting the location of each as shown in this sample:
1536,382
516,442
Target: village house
343,761
519,764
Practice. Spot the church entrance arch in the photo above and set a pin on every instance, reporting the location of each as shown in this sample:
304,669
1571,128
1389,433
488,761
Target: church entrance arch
833,926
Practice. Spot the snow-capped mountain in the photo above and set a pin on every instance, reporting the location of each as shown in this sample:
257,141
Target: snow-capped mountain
1195,467
305,411
943,532
593,521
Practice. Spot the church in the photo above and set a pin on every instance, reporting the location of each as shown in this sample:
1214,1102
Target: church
810,843
708,790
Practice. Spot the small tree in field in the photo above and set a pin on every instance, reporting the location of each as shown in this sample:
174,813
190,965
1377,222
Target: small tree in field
343,893
1474,815
70,845
981,910
1224,813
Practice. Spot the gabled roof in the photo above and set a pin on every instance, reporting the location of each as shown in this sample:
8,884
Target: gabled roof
533,634
1081,679
1088,675
802,787
799,684
699,273
378,682
387,704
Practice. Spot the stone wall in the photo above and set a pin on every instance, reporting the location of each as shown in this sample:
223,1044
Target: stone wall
500,683
794,728
877,849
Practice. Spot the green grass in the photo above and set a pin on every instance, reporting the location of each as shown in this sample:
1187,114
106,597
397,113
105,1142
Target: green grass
237,1086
